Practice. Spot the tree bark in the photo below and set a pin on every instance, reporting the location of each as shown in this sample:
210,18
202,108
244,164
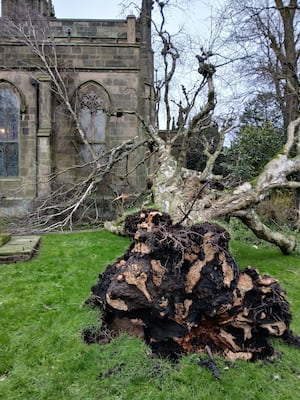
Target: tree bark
250,218
174,190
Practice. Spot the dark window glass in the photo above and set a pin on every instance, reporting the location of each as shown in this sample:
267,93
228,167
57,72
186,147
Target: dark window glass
9,132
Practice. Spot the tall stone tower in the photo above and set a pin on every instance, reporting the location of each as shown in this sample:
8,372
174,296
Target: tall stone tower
10,8
146,15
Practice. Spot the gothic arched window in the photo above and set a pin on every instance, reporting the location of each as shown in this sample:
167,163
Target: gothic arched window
92,106
9,131
92,116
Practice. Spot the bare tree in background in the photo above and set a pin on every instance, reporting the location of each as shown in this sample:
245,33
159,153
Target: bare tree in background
264,35
186,194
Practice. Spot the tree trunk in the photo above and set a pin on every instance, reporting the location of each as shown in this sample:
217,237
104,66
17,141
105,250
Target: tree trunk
190,196
286,244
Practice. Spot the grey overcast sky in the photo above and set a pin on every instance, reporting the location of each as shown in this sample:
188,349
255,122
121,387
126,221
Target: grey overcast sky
94,9
194,19
193,16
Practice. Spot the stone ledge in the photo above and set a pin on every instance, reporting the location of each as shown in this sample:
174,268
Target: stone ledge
19,248
4,238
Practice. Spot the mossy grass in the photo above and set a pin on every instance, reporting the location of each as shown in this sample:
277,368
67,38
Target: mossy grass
42,318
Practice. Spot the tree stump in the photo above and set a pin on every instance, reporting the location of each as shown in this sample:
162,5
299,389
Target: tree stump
180,290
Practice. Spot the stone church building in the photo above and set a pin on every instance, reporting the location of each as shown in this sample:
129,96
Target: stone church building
109,68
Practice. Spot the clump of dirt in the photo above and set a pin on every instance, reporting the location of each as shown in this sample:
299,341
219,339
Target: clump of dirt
180,290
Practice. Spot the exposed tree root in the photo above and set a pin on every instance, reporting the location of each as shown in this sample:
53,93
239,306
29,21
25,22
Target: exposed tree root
180,290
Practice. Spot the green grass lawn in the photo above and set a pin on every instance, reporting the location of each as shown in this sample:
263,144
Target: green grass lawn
42,355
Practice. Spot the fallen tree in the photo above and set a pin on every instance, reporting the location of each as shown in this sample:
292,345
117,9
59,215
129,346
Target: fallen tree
186,194
180,290
199,196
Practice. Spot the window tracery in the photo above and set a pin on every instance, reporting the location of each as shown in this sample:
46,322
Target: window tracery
93,116
92,106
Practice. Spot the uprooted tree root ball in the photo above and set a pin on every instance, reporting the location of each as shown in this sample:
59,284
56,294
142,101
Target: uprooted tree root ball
180,290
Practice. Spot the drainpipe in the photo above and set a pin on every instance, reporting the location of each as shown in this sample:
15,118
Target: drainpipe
36,84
